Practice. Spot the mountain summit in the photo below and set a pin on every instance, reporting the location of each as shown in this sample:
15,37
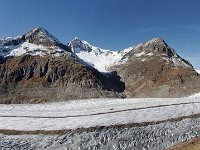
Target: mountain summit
157,47
153,69
40,36
77,45
99,58
36,42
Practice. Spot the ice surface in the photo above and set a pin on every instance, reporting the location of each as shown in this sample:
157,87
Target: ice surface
94,112
150,137
140,54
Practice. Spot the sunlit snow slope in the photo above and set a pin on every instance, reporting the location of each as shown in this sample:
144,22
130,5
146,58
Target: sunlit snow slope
94,56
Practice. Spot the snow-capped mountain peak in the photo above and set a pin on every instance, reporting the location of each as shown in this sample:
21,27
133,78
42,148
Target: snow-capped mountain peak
157,47
36,42
102,59
40,36
94,56
156,40
76,38
77,45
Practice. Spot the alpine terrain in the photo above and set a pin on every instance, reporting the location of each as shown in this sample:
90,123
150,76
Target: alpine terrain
153,69
83,86
150,69
36,67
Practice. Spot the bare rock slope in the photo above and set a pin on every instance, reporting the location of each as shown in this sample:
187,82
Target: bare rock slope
34,79
153,69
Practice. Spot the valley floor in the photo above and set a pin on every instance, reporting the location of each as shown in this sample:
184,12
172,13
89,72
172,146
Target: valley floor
94,112
174,120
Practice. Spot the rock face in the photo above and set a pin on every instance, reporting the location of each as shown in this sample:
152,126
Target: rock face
77,45
34,79
40,36
153,69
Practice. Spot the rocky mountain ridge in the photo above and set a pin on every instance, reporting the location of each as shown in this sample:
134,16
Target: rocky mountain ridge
37,64
36,67
157,47
153,69
36,42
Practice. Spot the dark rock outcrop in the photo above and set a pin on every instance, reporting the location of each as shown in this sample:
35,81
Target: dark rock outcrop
40,36
77,44
35,79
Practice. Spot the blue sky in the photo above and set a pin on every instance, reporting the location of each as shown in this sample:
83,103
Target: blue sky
110,24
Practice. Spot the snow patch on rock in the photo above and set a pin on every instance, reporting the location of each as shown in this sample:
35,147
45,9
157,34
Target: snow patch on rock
198,71
32,49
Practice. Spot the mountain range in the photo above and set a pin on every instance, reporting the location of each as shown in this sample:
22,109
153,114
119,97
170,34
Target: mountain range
36,67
